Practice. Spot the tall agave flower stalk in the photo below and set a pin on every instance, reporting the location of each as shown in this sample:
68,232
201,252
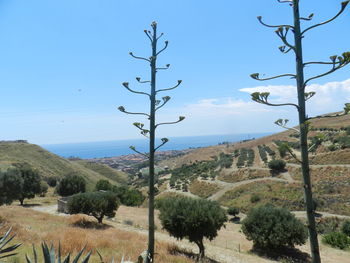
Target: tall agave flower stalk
150,132
335,63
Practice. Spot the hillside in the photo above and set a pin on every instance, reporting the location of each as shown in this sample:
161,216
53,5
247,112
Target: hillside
237,174
51,165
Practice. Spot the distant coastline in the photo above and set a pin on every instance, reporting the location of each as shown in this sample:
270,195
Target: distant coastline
102,149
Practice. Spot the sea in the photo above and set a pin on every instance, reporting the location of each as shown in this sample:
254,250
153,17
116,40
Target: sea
101,149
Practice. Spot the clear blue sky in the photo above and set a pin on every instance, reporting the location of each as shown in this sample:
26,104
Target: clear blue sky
62,64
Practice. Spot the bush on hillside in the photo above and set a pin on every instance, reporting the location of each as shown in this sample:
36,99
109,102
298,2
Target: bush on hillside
96,204
328,225
270,227
233,211
337,240
277,165
44,187
51,181
71,184
347,130
255,198
103,184
190,218
345,228
128,196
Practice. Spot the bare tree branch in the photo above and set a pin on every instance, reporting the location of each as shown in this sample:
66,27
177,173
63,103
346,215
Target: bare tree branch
134,149
271,26
166,67
178,84
142,81
343,6
164,141
282,33
126,85
165,100
256,76
131,54
161,34
261,97
148,34
166,45
181,118
122,109
283,123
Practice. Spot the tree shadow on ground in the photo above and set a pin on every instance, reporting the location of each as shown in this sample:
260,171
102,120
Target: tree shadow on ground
88,224
235,220
285,254
175,250
30,205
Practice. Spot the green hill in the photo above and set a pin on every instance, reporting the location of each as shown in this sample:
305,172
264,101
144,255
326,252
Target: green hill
51,165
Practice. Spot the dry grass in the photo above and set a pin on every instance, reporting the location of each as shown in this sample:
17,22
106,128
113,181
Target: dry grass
203,189
336,157
33,227
243,174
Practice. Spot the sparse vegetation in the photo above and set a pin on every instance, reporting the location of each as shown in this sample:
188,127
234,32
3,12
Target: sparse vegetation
337,240
203,189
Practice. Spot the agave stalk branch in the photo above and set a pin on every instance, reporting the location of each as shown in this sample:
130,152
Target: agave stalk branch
164,141
126,85
146,59
343,6
271,26
181,118
178,84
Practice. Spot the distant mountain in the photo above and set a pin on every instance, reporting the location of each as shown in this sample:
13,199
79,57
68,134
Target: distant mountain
51,165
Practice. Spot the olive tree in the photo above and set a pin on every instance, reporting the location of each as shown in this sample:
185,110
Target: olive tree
195,219
71,184
96,204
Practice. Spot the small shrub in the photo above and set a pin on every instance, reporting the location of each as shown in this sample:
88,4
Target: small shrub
270,227
51,181
328,225
277,165
347,130
255,198
43,188
103,185
332,147
233,211
337,240
346,228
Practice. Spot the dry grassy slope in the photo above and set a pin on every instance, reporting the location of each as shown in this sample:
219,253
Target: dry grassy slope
46,163
207,153
116,176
